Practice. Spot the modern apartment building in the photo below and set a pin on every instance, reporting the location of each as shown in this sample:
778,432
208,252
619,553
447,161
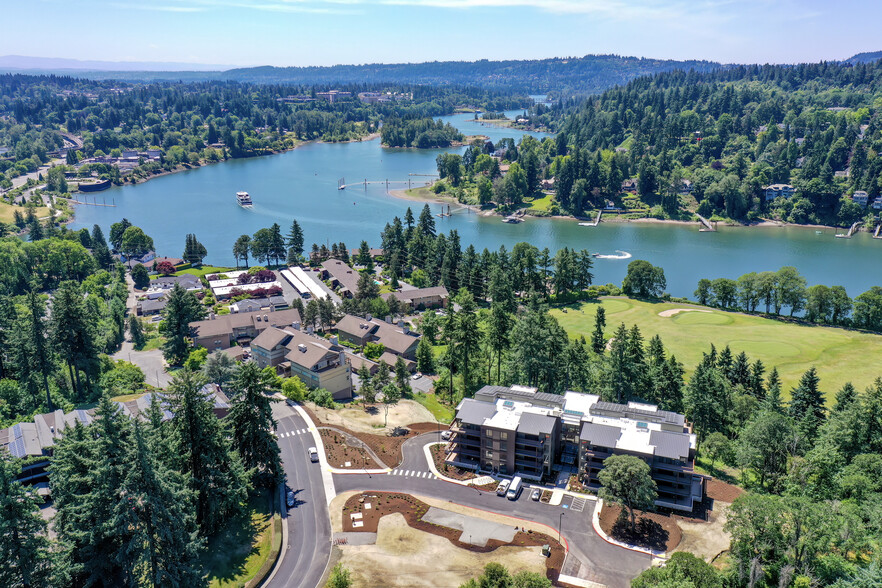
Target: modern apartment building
521,431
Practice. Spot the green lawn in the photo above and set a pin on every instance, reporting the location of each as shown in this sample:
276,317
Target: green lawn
542,204
840,355
127,397
154,341
233,557
203,271
7,212
441,412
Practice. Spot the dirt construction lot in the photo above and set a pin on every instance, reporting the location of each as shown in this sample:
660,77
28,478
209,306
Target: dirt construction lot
705,539
404,557
358,420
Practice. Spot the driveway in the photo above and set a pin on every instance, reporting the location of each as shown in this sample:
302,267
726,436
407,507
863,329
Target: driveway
151,363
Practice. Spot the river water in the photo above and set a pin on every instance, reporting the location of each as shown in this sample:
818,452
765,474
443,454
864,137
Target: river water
302,184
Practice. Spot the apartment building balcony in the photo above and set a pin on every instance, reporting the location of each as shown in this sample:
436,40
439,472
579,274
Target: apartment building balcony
463,461
665,477
463,450
529,442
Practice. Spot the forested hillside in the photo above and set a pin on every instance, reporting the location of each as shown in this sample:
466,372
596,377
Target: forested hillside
730,133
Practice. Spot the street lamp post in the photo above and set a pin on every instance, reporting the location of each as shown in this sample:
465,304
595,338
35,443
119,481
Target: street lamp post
559,523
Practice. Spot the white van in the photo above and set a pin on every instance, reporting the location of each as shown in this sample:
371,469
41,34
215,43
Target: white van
514,489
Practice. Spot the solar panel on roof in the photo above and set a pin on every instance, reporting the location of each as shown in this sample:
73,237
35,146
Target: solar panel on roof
508,404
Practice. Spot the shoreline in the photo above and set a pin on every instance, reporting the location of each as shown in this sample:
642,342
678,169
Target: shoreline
402,194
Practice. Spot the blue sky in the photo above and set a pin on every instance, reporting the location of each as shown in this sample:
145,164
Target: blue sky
325,32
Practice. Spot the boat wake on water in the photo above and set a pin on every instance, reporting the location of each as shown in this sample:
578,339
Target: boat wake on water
621,255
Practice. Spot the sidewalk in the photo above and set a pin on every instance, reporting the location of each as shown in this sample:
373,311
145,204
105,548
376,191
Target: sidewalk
327,478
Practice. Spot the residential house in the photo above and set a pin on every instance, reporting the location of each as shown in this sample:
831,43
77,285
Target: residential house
375,252
151,306
396,338
221,332
778,190
341,276
175,261
547,184
877,203
629,186
860,197
421,298
250,305
161,286
521,431
685,187
318,362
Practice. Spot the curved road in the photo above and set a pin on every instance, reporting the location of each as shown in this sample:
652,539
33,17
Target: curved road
308,549
309,535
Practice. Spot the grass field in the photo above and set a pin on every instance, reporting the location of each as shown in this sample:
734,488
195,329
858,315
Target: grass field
430,402
234,556
7,212
542,204
840,355
203,271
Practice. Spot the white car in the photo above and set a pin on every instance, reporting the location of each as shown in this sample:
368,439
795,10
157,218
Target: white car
313,454
502,488
536,495
416,376
446,435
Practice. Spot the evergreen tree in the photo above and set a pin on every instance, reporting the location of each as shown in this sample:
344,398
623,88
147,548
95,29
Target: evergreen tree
295,243
31,350
155,515
194,251
426,224
241,249
277,250
619,368
598,341
466,339
136,331
181,309
219,368
73,332
707,400
425,359
498,334
24,549
202,447
772,401
251,418
845,398
807,405
88,469
401,376
366,388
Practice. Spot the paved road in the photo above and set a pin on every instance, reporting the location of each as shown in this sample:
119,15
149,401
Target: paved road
601,562
309,530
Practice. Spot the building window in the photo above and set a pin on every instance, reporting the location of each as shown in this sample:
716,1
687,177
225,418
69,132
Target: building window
488,433
489,454
503,436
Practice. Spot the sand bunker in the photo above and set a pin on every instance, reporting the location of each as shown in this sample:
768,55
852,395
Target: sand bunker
676,311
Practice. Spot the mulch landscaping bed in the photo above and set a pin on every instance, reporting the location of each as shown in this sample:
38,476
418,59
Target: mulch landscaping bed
387,447
654,530
455,472
339,452
384,503
719,490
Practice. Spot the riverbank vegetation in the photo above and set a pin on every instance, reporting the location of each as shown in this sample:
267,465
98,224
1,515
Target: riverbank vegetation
728,134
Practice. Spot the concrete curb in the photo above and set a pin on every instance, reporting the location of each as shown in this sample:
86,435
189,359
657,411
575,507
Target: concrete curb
595,522
327,478
428,452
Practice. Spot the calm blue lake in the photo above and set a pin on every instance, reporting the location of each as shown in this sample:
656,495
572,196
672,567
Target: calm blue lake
302,184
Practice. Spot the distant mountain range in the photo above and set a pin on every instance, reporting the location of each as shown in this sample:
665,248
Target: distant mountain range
868,57
561,77
56,64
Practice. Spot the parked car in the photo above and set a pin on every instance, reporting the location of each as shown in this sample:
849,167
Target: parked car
289,498
313,454
416,376
536,495
446,435
502,488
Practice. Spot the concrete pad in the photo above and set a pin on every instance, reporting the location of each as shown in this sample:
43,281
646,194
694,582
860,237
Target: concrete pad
556,497
367,505
481,480
348,464
355,538
474,530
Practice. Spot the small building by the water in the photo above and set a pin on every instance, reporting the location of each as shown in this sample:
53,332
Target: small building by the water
779,190
860,197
